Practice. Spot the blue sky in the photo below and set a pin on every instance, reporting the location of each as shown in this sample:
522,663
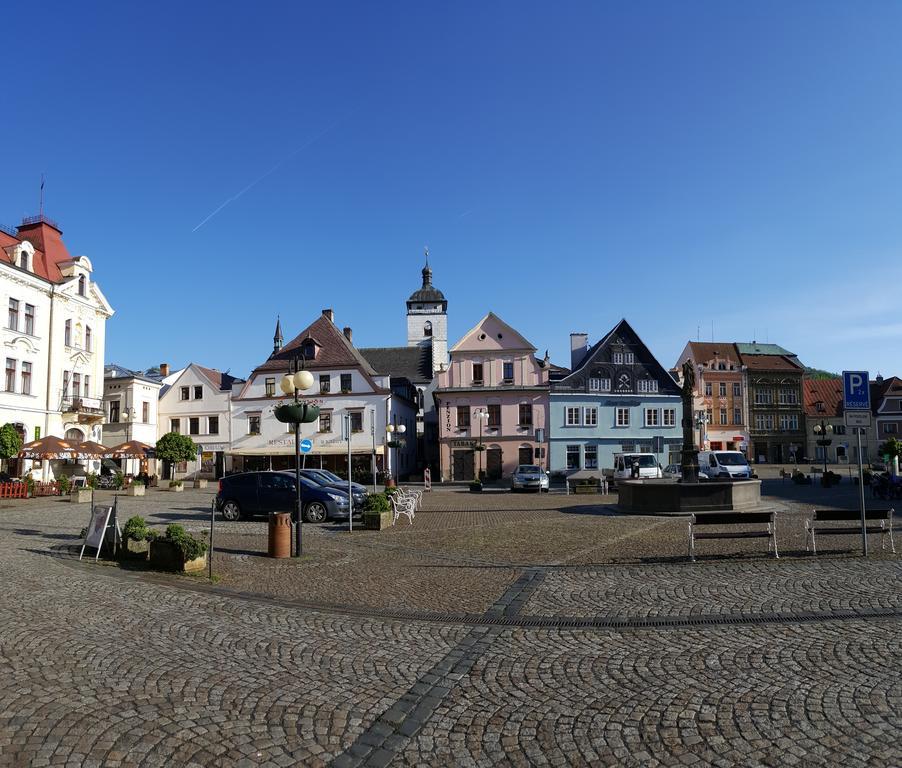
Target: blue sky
688,166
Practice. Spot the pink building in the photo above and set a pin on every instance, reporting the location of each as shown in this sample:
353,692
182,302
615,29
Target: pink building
495,394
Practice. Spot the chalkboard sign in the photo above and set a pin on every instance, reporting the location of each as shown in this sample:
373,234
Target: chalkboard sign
97,529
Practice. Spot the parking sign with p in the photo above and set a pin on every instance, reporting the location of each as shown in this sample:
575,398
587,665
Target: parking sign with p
856,391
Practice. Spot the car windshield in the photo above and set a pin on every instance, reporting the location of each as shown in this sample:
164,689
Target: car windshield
315,477
332,477
528,469
642,461
731,460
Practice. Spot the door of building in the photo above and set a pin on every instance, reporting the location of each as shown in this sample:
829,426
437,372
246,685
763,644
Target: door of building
493,463
524,455
463,465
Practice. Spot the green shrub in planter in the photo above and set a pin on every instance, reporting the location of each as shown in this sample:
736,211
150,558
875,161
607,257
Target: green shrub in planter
64,485
190,547
178,550
376,503
476,487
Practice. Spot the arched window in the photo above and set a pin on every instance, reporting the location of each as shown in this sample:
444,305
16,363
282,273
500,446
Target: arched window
23,259
427,329
88,338
75,436
81,285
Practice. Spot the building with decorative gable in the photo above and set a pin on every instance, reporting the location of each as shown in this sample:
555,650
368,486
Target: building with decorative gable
886,403
616,398
493,396
719,402
345,384
53,337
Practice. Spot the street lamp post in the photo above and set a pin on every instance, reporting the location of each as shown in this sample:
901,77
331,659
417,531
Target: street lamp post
823,429
399,429
296,381
481,415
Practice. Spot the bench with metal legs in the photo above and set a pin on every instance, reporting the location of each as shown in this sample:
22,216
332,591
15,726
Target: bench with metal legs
819,516
731,520
402,506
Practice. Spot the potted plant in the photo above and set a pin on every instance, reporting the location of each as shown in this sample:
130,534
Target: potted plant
290,412
136,538
174,448
178,550
80,494
63,484
377,512
176,486
476,486
136,488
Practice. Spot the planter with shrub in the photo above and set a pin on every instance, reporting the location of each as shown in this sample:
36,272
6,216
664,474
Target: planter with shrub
377,512
137,488
176,486
178,550
80,496
475,487
136,538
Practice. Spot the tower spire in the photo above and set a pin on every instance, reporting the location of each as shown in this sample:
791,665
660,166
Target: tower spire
277,338
427,271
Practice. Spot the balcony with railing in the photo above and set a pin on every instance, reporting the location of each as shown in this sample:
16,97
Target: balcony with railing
88,409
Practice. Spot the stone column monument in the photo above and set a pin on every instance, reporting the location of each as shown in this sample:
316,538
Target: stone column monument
689,455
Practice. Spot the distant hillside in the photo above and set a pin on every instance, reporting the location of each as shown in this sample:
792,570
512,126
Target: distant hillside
816,374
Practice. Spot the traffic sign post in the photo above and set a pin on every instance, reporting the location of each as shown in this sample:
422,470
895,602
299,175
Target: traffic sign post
856,390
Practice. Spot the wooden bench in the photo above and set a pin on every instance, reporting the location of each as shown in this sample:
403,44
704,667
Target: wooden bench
732,519
818,516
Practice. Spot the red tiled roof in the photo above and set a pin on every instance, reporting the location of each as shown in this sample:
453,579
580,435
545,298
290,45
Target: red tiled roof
335,351
223,381
771,363
49,249
704,351
828,392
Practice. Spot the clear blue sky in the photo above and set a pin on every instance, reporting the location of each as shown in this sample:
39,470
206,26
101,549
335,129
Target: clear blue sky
568,164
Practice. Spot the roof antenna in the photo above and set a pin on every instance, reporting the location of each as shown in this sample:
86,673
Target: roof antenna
712,331
42,196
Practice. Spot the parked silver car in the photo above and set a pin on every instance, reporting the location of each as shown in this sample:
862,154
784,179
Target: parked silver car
529,477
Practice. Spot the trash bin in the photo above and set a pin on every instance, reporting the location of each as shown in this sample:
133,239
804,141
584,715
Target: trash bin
280,534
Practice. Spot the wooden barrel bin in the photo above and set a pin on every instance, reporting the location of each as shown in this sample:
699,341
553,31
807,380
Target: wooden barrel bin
280,535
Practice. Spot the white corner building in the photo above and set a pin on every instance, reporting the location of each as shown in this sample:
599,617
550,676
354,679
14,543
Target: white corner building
53,334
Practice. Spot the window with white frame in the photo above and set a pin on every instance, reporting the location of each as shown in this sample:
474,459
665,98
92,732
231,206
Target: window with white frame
890,428
617,358
764,396
737,416
764,421
708,390
590,457
590,417
788,396
669,417
789,422
572,416
648,385
623,417
722,389
723,415
628,358
572,457
253,423
651,417
594,385
737,390
10,374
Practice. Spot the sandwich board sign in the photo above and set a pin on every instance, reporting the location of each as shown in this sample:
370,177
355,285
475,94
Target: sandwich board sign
97,529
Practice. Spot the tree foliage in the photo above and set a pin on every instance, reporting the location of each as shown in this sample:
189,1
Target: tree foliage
10,442
891,448
173,447
818,374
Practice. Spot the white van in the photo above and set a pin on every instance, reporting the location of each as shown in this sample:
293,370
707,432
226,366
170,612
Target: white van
648,466
723,465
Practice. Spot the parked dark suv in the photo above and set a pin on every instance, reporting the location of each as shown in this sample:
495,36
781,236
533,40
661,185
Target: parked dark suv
259,493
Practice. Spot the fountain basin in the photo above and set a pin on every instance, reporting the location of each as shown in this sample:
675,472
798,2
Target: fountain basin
669,497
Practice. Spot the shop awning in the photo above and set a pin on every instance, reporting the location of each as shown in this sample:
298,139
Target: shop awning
325,450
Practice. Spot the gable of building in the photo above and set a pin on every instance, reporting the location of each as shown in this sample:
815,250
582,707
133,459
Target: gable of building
603,361
492,334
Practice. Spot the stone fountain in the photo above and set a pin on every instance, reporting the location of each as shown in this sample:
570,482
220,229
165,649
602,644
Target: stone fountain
680,497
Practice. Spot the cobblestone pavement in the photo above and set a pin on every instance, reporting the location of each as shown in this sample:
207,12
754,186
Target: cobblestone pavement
736,660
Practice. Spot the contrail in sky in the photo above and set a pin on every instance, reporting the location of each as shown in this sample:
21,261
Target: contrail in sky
276,167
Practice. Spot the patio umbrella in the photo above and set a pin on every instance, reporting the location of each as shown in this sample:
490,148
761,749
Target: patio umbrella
133,449
50,447
91,450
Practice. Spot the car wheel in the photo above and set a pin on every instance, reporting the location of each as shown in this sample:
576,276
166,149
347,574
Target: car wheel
315,512
231,511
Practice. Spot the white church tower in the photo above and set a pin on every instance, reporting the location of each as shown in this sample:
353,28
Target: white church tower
427,319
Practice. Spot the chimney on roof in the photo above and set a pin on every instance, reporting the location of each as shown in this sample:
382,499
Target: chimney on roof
164,369
347,332
579,345
329,313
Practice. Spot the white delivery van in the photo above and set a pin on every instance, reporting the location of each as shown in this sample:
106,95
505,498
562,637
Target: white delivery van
648,466
723,465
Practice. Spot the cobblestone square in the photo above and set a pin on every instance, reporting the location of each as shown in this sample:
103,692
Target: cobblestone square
498,629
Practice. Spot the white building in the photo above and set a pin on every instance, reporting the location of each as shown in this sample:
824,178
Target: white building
345,384
53,338
130,400
195,401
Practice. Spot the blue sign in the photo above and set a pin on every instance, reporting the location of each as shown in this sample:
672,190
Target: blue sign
306,445
856,391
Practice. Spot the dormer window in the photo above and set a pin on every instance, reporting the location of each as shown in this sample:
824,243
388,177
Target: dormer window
24,260
81,285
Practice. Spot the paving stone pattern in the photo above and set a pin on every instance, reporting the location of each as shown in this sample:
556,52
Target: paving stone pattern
109,668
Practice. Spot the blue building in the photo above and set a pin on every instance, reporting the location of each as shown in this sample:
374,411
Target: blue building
617,398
